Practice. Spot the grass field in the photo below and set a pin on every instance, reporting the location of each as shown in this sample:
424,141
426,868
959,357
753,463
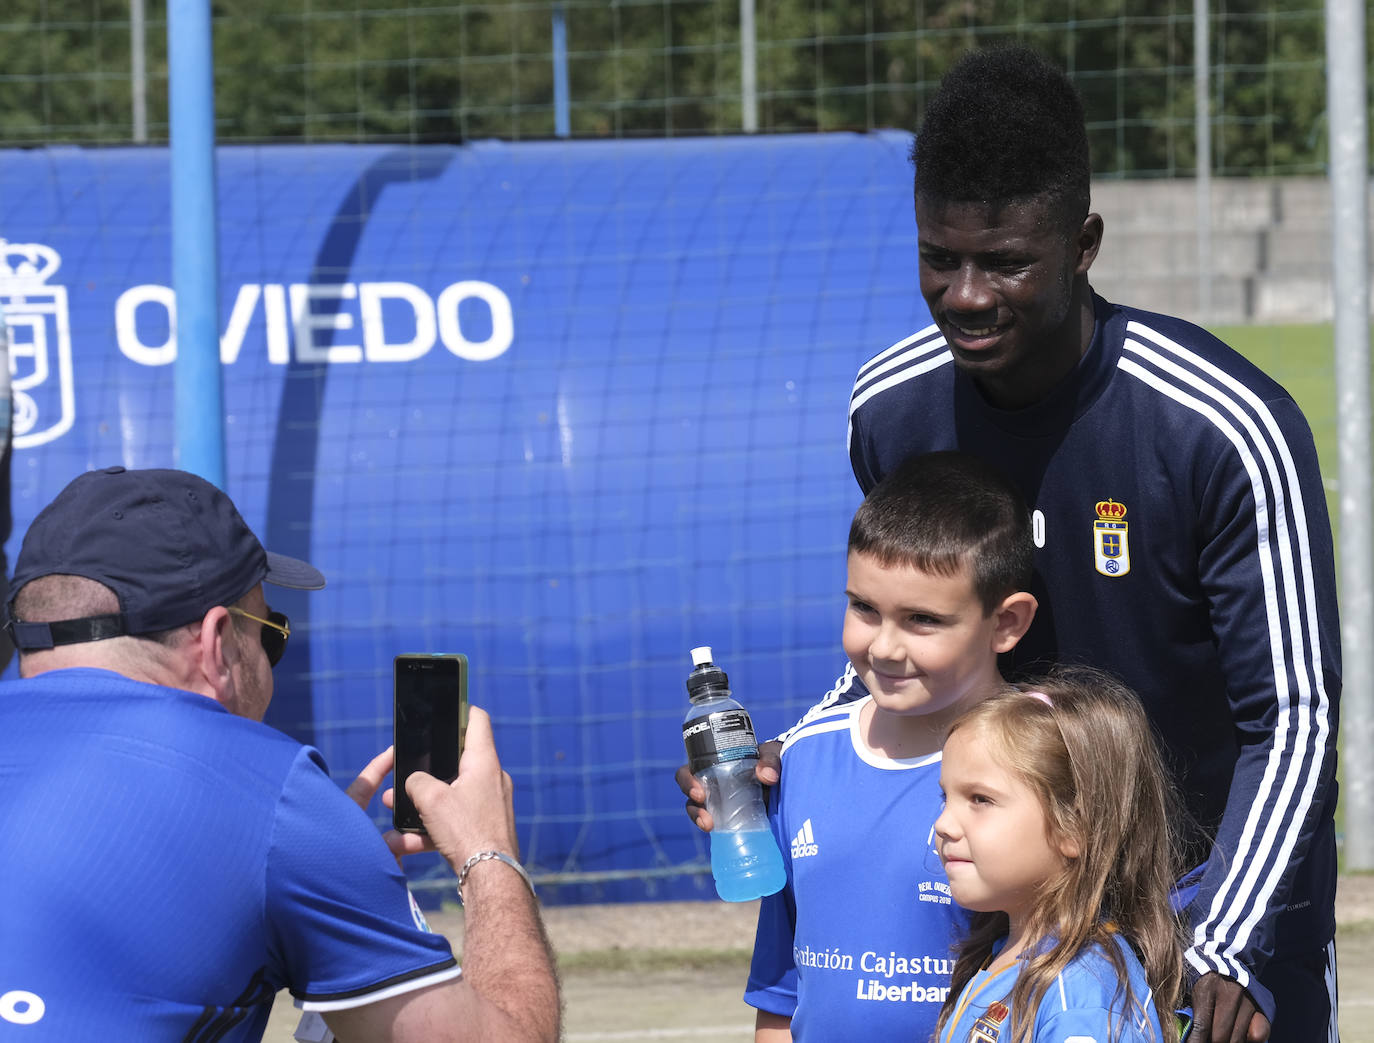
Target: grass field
1301,359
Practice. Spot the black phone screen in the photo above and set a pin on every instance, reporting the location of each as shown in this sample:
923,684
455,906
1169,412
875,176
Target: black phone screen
429,718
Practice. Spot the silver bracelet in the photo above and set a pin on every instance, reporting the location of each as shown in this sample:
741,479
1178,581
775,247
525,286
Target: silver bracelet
489,856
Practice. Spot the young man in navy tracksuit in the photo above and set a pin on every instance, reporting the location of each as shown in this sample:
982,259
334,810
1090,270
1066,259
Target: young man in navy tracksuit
1180,522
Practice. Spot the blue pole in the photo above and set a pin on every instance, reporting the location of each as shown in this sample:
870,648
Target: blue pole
562,123
198,396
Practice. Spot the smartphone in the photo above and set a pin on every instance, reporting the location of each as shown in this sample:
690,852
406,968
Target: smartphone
429,720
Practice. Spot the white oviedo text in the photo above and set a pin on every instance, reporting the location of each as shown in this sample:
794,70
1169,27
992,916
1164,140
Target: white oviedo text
303,322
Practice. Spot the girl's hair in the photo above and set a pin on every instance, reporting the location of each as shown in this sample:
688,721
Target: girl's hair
1090,757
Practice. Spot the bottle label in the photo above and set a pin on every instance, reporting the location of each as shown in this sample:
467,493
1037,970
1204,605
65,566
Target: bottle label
726,735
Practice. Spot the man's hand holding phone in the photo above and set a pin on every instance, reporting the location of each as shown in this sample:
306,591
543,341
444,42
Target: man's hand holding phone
507,961
478,804
475,812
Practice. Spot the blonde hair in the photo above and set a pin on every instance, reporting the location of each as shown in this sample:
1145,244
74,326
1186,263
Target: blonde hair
1090,757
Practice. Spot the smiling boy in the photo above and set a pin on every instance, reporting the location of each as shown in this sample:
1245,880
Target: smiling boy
939,559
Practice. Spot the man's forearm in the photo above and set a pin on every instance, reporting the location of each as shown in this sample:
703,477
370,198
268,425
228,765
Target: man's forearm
506,958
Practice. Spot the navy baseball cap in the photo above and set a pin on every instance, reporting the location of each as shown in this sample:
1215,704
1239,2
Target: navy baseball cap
168,543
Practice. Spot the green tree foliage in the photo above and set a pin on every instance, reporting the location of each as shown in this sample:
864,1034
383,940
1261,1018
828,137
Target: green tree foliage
429,71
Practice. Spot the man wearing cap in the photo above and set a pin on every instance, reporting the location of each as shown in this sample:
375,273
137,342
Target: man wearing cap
171,862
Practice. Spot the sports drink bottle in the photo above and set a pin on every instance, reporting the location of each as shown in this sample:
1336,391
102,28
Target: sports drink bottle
722,752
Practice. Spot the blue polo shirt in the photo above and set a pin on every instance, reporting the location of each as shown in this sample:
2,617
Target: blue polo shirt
169,867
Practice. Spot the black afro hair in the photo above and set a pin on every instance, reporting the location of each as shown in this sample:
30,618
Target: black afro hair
1004,125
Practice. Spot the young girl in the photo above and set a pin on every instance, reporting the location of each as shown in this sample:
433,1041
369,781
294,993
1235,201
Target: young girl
1058,830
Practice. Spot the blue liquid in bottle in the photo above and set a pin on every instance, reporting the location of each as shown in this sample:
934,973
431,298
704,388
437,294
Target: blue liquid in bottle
746,865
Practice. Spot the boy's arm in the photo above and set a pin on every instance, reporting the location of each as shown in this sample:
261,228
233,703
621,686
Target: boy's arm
772,1028
772,984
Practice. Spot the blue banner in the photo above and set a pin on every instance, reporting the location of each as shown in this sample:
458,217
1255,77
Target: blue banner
568,408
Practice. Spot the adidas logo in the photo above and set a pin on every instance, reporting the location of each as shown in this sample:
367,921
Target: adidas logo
804,843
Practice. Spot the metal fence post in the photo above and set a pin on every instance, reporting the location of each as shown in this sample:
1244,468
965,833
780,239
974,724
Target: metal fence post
1347,121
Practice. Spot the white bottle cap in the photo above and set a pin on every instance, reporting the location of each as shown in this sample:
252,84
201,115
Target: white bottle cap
701,656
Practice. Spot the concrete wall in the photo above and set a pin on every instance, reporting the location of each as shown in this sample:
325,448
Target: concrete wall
1270,246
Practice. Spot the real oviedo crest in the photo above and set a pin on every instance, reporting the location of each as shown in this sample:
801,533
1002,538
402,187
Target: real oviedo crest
40,343
1111,549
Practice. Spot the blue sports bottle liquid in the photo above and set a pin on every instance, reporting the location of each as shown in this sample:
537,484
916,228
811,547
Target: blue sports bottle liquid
721,753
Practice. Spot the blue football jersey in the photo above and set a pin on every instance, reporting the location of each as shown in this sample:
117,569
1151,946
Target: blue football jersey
1086,1003
857,944
169,867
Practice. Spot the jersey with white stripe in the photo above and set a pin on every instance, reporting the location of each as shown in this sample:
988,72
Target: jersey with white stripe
872,956
1182,543
180,865
1086,1003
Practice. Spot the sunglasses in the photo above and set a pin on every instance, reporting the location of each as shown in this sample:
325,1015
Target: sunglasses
276,628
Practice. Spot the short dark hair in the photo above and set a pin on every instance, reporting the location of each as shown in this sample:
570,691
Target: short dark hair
1004,126
60,596
945,512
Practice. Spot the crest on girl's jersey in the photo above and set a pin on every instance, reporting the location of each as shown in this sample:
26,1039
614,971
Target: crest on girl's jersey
988,1028
1111,550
